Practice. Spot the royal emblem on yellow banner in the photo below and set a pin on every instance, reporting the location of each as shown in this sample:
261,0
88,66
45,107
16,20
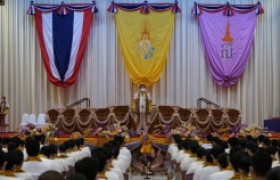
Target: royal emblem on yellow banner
146,47
144,33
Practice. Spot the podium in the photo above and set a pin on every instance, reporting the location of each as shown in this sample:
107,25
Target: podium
2,121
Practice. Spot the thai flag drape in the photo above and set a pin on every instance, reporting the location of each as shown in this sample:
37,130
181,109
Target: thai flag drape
63,32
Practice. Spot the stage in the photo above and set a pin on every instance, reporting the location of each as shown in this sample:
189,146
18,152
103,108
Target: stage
159,119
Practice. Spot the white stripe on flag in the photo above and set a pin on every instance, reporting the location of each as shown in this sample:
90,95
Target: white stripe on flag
48,40
77,37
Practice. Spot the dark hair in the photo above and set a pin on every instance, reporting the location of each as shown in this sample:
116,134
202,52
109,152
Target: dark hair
3,158
12,146
185,144
16,140
6,141
62,148
233,141
82,141
273,174
234,149
51,175
32,147
209,137
271,150
223,160
249,138
101,158
275,143
217,150
77,176
70,143
200,152
194,146
252,146
14,157
243,143
245,163
208,156
40,138
115,148
45,150
266,142
109,150
235,159
223,144
261,163
88,167
177,138
261,138
53,149
119,139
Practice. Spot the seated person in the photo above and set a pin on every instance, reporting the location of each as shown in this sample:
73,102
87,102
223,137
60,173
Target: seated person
211,166
273,174
34,164
261,164
200,153
88,167
51,175
225,169
14,164
185,163
244,167
123,149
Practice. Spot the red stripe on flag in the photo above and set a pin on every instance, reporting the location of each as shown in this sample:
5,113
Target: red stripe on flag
46,60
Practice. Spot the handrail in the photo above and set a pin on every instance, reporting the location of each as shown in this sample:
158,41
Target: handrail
87,100
208,102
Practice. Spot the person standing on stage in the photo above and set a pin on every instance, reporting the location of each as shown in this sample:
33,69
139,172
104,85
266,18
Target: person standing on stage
4,109
142,104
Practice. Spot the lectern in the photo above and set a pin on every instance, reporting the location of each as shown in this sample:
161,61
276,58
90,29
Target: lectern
2,121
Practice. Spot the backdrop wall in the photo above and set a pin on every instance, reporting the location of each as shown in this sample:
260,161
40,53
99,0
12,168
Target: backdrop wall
103,78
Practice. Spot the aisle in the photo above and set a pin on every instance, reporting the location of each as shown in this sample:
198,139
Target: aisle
152,177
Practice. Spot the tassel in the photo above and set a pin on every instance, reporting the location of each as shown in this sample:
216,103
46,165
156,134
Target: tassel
176,8
228,10
259,9
94,8
112,8
196,10
31,9
145,8
63,11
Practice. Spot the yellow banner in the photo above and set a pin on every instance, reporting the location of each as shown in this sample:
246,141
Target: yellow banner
144,40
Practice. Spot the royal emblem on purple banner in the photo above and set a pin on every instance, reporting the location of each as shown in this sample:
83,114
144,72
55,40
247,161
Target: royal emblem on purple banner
227,46
228,34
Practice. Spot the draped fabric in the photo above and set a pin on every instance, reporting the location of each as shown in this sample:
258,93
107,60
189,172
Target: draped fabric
63,31
228,34
186,76
145,40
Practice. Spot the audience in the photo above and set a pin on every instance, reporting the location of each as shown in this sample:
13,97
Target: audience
209,159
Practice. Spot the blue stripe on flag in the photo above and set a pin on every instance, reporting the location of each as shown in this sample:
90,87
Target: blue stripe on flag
62,41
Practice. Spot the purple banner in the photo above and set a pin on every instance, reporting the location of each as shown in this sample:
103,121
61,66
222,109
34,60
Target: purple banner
228,38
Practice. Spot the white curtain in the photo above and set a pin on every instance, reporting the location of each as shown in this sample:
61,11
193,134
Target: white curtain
103,78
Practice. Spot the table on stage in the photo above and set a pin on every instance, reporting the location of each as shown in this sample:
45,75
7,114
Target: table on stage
272,124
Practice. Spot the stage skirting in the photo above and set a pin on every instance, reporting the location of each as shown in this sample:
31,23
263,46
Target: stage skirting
159,120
